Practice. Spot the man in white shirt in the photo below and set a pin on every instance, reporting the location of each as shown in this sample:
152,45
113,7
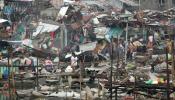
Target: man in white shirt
74,60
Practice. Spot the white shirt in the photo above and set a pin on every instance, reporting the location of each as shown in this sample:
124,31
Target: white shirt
150,38
74,61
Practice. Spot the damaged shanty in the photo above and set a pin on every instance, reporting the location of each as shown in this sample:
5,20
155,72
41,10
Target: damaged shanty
88,50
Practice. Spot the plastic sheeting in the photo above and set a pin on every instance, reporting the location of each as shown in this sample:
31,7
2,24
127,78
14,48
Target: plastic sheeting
3,20
44,27
87,46
63,11
115,32
101,32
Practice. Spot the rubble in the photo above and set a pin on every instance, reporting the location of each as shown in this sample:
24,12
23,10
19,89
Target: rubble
121,50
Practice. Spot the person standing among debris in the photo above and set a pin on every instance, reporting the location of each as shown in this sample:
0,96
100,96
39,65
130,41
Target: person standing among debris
156,36
28,62
119,50
22,62
7,11
48,64
34,62
130,50
74,60
150,43
169,45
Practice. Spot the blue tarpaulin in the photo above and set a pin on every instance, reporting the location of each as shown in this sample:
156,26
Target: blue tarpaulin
115,32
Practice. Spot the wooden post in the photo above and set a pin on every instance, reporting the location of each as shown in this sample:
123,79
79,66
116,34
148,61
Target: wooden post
9,75
126,42
37,83
116,89
82,66
111,68
173,63
168,74
9,71
80,83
